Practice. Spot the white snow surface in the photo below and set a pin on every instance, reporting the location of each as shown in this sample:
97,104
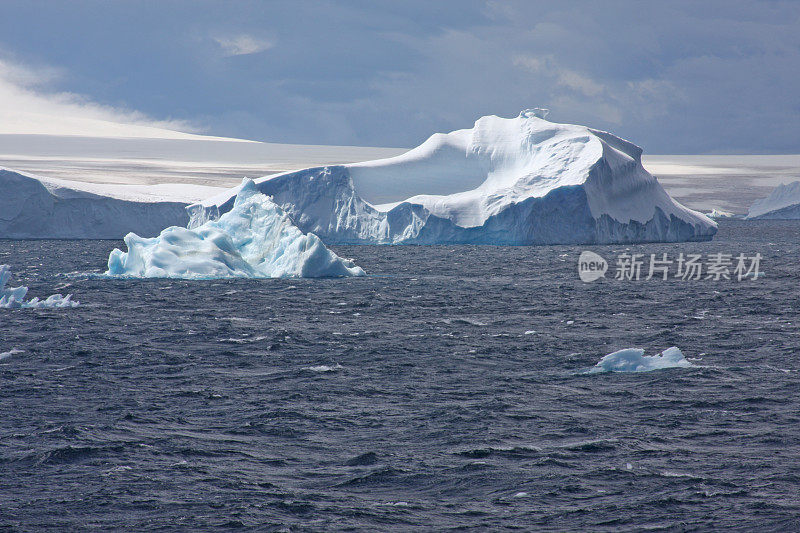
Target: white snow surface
255,239
469,175
14,297
634,360
782,203
522,180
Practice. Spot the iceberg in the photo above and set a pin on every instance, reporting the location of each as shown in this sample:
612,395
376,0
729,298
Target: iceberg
34,207
514,181
783,203
634,360
255,239
14,297
720,214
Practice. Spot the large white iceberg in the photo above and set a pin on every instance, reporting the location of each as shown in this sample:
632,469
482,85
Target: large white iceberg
14,297
255,239
523,180
783,203
634,360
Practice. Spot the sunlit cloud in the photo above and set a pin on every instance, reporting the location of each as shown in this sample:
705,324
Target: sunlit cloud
29,106
564,77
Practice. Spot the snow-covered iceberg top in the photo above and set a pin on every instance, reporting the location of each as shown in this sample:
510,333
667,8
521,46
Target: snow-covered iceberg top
255,239
14,297
634,360
782,203
521,180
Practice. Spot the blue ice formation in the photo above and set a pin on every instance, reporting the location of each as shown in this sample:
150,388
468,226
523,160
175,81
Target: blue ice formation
255,239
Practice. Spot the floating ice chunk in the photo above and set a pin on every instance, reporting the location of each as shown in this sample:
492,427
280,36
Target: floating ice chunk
634,360
10,294
10,353
719,213
325,368
14,297
255,239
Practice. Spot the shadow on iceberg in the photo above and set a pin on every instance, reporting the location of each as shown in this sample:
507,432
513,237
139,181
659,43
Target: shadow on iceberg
254,239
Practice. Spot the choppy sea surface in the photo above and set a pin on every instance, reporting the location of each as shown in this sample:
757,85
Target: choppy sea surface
447,390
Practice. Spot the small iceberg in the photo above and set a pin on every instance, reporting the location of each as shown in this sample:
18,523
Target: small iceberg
14,297
783,203
716,214
325,368
634,360
255,239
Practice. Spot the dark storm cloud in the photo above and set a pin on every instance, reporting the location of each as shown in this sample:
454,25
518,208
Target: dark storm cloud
672,76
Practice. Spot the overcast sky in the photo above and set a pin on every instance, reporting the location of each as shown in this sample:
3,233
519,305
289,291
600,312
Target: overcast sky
673,77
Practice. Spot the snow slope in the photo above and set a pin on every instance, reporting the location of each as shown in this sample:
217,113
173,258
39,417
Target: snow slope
34,207
782,203
255,239
523,180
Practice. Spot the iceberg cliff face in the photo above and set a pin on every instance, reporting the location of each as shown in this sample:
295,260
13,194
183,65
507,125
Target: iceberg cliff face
783,203
505,181
36,208
255,239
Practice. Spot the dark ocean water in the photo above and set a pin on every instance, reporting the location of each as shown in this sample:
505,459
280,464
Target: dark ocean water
445,391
